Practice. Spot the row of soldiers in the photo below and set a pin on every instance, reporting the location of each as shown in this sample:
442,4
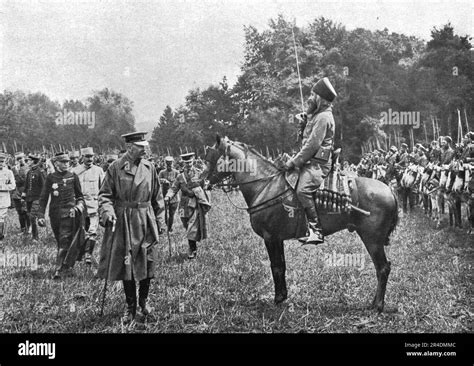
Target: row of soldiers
132,200
433,175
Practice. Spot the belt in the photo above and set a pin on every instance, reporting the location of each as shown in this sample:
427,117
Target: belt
131,204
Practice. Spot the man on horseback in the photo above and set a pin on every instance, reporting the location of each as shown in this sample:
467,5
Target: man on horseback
314,158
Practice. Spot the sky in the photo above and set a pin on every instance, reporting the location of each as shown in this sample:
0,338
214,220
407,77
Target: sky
154,52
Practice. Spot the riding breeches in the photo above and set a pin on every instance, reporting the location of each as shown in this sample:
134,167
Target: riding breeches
311,177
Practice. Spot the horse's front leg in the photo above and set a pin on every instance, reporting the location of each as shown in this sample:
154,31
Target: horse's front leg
276,254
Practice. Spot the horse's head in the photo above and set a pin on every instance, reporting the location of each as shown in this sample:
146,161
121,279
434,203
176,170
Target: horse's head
213,154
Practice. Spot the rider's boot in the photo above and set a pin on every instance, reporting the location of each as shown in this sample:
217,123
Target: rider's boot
314,228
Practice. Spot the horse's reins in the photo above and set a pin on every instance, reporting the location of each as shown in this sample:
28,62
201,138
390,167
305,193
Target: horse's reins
250,209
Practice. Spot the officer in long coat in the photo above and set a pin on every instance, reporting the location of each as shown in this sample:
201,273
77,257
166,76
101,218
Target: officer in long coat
192,207
314,158
131,201
7,184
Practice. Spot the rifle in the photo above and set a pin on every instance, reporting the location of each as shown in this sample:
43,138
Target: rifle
108,268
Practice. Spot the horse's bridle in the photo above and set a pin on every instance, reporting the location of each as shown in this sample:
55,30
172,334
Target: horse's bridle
213,155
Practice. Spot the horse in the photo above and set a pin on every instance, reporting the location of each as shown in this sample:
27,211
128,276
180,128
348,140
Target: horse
266,190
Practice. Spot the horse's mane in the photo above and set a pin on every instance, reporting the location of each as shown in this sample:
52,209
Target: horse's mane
255,152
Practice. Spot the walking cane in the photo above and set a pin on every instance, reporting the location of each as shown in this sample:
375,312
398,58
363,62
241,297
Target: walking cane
108,267
167,227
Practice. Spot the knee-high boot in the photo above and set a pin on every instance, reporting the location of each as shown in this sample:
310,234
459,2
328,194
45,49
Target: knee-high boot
143,290
192,249
131,300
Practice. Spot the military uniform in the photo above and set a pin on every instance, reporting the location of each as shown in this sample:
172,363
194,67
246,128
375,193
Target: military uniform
192,210
35,179
167,177
7,184
91,178
19,171
314,158
130,199
65,191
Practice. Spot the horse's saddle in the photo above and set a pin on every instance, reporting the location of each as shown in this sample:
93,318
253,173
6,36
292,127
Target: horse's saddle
334,194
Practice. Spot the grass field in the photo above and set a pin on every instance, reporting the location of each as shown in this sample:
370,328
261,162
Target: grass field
229,288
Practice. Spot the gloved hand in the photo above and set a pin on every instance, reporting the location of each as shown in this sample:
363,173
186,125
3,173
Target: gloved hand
41,222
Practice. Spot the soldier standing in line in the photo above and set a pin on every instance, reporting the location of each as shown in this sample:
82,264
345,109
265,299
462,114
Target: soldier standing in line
167,177
91,178
35,179
7,184
67,202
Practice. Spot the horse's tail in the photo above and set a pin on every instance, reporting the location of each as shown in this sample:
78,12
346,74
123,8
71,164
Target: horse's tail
394,222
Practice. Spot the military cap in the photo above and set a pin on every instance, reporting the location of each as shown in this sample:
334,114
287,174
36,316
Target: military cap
137,138
325,90
448,139
19,155
61,156
169,159
87,151
188,157
34,157
393,149
404,145
111,157
3,156
74,154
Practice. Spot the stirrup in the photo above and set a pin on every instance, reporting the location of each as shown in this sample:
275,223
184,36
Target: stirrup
315,236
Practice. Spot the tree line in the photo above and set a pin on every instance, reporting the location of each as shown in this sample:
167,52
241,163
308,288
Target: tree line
376,73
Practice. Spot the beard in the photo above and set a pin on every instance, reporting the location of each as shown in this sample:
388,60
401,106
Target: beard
312,106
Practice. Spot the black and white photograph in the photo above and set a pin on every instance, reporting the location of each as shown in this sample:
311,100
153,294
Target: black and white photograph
236,179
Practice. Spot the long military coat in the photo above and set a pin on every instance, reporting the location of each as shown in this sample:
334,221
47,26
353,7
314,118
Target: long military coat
134,194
